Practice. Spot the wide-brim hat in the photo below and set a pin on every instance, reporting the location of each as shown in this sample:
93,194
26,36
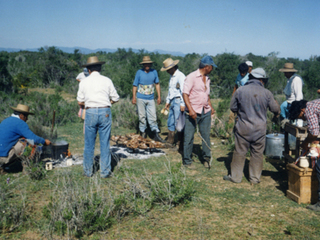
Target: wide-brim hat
288,67
93,61
259,73
22,109
169,63
146,59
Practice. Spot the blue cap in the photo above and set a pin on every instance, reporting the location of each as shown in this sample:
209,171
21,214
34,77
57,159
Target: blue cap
207,60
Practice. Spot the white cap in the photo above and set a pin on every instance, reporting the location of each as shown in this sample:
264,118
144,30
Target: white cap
258,73
249,63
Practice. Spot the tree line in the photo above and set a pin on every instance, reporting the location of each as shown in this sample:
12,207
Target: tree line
51,67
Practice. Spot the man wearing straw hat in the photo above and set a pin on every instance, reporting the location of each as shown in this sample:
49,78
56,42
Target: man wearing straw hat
97,94
12,129
145,81
174,100
196,95
293,89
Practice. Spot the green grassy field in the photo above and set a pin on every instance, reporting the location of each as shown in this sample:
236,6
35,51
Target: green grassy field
152,199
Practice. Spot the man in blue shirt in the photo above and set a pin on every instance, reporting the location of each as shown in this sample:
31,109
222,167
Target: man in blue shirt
174,100
143,96
11,130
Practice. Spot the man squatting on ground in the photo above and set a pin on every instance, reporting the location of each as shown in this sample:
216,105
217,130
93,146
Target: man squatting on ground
251,103
310,112
174,100
12,129
97,94
196,95
145,81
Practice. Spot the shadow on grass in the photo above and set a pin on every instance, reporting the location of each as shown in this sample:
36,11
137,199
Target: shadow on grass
115,159
280,176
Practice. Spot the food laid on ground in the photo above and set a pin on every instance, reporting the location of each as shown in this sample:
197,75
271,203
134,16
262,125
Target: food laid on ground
134,141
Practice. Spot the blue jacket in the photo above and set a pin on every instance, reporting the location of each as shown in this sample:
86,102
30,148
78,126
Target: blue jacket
11,130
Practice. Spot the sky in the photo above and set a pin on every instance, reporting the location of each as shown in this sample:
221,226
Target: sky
289,27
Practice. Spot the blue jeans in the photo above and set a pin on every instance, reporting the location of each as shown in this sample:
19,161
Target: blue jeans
285,106
174,112
147,110
97,119
204,123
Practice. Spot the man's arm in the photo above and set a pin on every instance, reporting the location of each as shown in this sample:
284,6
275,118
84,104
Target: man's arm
158,92
212,110
192,113
134,95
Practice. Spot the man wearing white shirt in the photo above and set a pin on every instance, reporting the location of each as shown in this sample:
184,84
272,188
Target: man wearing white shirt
293,89
174,100
97,94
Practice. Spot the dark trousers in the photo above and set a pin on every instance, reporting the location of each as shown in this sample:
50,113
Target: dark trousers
239,157
204,123
318,176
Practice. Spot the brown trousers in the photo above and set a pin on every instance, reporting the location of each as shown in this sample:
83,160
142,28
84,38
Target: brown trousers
15,151
239,157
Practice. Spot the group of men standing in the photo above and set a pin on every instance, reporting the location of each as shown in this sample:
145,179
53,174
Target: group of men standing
189,95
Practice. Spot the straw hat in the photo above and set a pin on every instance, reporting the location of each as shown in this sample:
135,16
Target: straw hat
22,108
288,67
146,59
93,61
168,63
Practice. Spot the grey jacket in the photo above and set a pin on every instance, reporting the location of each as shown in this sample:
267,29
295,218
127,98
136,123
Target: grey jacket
251,103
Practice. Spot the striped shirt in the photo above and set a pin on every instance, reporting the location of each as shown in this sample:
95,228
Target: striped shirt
312,115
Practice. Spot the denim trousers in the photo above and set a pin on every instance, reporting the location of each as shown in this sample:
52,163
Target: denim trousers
147,111
174,112
284,107
97,120
204,123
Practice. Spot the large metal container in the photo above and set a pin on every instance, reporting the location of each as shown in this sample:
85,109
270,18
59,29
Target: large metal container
60,149
274,145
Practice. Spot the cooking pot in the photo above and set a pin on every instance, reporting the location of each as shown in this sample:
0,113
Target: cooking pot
274,145
59,149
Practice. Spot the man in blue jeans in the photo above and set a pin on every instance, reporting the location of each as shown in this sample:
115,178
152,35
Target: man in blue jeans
146,80
174,100
97,93
196,95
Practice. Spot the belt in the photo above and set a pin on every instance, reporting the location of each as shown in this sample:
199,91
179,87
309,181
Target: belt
98,107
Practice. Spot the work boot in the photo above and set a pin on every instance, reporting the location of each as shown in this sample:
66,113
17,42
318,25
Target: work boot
143,134
170,137
315,207
157,137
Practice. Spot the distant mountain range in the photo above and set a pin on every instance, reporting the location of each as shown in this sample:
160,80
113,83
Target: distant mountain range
87,50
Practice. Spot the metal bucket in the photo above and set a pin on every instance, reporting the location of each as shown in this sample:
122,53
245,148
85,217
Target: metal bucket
274,145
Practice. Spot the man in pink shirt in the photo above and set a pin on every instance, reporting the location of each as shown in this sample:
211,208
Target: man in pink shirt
196,95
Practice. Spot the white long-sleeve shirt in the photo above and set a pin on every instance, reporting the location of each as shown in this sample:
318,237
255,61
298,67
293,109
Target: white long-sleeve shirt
177,77
97,91
293,90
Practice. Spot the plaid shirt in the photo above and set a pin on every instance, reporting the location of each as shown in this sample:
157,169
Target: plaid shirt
312,115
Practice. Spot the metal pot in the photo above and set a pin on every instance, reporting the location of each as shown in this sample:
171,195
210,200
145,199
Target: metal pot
59,149
274,145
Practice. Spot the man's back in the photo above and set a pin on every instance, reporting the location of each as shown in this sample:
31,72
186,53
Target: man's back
251,102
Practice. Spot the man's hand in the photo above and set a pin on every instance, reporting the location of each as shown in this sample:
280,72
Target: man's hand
134,100
81,104
182,108
192,114
47,142
212,111
159,100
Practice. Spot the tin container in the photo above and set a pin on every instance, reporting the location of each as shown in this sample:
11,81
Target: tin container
274,145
